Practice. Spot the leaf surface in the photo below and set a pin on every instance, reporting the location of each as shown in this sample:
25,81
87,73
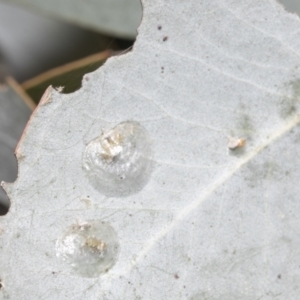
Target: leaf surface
114,17
14,114
210,223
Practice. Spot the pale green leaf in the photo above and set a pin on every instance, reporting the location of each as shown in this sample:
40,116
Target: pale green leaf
119,18
14,114
210,222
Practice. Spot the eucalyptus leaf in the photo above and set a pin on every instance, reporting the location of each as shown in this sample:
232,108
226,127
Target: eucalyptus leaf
14,114
119,18
291,5
215,86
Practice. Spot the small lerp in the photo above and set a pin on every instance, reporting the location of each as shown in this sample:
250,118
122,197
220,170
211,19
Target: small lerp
119,161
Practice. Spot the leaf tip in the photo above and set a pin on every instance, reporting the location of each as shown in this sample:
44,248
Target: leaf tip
46,98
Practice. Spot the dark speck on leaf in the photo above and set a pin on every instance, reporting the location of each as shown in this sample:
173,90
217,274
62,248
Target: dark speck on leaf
159,27
165,38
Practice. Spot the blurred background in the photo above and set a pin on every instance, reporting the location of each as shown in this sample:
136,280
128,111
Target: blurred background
55,43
